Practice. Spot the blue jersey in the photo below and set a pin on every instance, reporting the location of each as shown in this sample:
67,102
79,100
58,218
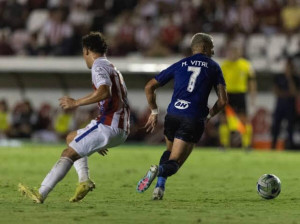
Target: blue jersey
194,78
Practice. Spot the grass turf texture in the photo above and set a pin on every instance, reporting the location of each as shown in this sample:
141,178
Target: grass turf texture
212,187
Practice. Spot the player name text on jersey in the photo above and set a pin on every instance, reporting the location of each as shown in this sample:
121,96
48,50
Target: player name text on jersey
195,63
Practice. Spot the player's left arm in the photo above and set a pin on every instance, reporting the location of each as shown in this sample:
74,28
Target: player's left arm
102,93
221,102
220,87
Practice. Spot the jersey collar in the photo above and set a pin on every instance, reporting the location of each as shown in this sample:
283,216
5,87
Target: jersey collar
99,59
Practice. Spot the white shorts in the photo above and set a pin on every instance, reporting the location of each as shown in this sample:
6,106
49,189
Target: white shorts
95,137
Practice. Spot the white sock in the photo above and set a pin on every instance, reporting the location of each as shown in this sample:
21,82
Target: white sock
56,174
82,169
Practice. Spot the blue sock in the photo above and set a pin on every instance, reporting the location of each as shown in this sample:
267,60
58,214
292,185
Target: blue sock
161,181
164,157
168,168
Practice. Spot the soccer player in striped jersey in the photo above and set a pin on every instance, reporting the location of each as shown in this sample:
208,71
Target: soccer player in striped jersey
194,78
108,130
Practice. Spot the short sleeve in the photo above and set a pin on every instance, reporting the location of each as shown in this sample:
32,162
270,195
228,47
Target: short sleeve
219,78
101,76
166,75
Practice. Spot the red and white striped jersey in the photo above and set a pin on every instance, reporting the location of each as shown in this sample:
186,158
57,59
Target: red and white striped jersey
114,111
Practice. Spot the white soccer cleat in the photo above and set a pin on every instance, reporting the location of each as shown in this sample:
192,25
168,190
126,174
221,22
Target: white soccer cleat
158,193
146,181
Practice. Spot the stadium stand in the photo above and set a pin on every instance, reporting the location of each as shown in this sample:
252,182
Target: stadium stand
144,36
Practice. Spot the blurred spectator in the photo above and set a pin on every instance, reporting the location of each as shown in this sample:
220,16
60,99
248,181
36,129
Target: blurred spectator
268,14
290,16
210,136
63,123
58,33
145,34
15,14
147,9
5,48
170,34
136,30
43,129
19,40
23,120
246,16
36,4
32,47
124,40
44,117
4,118
80,18
158,49
285,87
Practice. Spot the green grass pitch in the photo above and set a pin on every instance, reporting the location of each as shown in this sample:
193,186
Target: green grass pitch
212,187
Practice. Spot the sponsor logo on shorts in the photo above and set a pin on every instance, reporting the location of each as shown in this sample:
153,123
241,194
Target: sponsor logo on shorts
181,104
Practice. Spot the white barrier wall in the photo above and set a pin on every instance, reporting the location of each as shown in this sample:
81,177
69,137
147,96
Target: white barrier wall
136,97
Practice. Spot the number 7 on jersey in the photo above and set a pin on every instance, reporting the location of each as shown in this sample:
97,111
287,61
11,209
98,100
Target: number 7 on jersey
195,72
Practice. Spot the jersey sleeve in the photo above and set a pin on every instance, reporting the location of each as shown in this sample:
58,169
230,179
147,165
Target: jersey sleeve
166,75
219,78
101,76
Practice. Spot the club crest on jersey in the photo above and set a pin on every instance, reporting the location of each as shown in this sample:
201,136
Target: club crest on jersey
181,104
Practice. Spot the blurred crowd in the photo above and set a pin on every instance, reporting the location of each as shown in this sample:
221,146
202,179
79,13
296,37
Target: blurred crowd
49,124
149,27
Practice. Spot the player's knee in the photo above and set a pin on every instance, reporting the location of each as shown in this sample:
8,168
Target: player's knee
70,153
69,138
169,168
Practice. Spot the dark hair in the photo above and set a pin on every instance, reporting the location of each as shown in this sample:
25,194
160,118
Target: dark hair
94,41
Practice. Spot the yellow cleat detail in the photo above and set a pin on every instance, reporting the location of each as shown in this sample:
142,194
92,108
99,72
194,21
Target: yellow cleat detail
31,194
82,190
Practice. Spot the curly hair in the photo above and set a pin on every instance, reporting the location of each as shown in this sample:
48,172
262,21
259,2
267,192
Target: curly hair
94,41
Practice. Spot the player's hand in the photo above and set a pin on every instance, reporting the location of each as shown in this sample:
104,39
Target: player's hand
151,123
67,103
103,152
208,118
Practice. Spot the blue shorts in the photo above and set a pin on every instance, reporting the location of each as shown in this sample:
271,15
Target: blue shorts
186,129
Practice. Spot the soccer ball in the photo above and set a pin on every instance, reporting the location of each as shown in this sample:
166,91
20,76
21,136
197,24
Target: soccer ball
268,186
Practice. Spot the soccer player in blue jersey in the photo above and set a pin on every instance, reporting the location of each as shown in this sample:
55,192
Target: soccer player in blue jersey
187,113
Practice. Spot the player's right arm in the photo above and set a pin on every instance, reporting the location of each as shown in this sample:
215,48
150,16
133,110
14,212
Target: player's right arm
102,82
150,88
160,80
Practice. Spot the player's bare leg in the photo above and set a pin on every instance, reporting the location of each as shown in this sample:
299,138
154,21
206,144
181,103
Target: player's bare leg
85,184
180,152
56,174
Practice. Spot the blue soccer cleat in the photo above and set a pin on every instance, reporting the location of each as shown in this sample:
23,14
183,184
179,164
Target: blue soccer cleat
146,181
